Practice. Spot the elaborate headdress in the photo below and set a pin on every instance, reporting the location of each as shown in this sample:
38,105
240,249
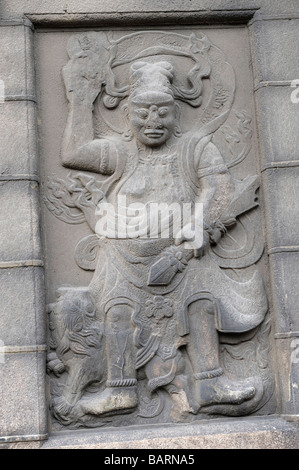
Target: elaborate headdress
147,76
146,52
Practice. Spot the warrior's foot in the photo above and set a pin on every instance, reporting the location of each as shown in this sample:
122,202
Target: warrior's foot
222,390
112,399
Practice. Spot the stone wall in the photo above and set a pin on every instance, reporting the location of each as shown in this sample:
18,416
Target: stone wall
273,28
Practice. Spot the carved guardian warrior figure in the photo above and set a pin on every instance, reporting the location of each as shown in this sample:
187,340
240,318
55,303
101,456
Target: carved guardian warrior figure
160,293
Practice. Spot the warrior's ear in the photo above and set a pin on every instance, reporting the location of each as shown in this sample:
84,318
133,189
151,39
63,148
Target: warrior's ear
127,134
178,110
177,129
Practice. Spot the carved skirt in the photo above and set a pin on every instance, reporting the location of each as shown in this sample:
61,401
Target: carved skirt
123,269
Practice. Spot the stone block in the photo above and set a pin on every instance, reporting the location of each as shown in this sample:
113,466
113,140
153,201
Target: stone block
285,297
13,8
22,403
18,138
22,373
277,49
93,6
272,7
246,433
278,123
288,357
16,64
21,445
22,310
281,187
266,7
17,8
19,215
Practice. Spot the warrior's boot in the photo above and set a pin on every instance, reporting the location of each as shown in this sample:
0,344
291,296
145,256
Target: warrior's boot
120,394
212,386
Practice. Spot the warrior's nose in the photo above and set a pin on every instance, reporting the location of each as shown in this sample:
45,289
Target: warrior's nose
153,122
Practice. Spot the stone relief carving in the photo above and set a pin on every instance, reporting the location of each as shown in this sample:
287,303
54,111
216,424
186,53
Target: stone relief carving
172,325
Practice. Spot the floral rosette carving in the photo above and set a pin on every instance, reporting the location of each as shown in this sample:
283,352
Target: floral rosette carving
158,308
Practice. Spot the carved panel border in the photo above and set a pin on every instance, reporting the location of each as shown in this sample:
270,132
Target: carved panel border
18,175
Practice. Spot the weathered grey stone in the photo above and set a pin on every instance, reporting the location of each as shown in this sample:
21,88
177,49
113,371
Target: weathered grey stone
22,404
20,236
156,18
22,306
30,444
135,5
146,144
288,354
271,8
279,186
18,154
277,50
250,433
275,60
18,8
16,60
278,120
284,280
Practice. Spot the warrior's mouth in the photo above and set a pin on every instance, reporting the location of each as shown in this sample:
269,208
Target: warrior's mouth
153,133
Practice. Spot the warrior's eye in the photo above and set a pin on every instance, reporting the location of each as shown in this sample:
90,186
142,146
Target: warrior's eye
163,112
142,113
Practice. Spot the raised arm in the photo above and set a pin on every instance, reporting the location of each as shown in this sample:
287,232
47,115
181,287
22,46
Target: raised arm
80,150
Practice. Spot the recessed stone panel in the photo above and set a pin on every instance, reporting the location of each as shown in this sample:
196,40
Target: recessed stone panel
151,103
151,116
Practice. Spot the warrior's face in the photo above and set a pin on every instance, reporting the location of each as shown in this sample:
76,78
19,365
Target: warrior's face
152,117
